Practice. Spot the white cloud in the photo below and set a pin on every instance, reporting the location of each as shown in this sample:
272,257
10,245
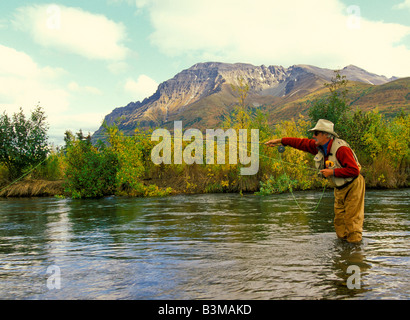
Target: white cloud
403,5
24,84
75,87
289,32
87,121
73,30
17,63
142,88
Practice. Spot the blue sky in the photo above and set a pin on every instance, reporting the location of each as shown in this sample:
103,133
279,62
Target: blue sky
81,59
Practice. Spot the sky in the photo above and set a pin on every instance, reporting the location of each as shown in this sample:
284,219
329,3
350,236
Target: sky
79,60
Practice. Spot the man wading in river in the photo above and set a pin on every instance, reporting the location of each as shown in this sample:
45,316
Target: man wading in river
335,159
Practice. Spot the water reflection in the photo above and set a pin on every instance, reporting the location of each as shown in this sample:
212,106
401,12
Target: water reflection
350,255
218,246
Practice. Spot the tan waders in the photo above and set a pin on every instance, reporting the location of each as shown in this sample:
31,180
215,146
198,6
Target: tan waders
349,210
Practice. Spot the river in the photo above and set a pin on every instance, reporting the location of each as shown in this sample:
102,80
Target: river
211,246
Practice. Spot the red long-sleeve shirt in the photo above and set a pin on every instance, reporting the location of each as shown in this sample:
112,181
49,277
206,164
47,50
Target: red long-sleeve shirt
344,155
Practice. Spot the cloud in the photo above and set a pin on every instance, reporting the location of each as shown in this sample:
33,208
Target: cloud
325,33
23,83
73,30
75,87
19,64
142,88
87,121
403,5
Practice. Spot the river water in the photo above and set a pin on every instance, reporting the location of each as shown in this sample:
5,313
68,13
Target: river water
212,246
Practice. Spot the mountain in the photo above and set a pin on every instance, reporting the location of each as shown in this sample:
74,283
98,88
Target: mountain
202,95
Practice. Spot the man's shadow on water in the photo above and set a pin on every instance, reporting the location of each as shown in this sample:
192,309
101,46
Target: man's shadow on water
350,266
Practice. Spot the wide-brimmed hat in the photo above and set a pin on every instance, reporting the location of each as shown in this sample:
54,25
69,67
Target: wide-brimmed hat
325,126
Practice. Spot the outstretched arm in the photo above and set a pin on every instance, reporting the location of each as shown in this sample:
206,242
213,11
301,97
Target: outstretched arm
274,142
307,145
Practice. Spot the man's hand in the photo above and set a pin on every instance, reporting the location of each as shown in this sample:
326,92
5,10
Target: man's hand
327,172
273,143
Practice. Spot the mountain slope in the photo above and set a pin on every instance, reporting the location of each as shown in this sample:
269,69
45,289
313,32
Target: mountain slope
202,95
389,98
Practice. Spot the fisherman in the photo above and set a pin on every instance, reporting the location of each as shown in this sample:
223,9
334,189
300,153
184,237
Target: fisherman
337,161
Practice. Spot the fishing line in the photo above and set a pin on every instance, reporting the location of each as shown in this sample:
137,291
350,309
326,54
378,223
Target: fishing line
1,190
281,149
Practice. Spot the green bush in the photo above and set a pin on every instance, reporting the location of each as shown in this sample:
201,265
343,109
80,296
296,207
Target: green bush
280,184
52,169
132,154
90,171
382,146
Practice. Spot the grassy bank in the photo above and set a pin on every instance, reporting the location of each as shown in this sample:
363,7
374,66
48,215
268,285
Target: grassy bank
34,188
197,183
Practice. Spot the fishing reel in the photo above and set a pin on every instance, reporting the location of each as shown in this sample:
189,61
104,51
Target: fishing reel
281,149
329,164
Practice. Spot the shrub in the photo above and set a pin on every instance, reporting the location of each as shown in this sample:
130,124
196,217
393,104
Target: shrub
277,185
90,171
132,154
52,169
381,145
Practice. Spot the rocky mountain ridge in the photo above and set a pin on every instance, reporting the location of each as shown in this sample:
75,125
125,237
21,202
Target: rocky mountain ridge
202,94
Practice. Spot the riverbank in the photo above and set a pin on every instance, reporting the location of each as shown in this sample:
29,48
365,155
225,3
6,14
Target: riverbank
33,188
44,188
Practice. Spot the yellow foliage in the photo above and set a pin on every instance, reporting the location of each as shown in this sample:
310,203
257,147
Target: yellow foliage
224,183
